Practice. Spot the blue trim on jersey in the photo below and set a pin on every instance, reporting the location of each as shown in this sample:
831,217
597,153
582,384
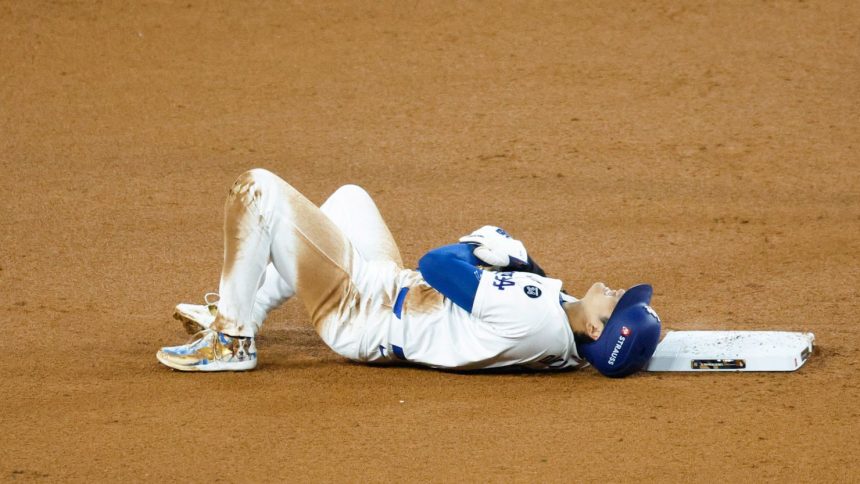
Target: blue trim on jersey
398,303
452,270
398,352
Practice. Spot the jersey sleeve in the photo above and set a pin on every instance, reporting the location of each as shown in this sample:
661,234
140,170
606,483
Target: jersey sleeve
515,302
452,270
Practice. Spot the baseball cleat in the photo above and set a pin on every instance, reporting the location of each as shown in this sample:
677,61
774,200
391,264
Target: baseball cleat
210,350
197,317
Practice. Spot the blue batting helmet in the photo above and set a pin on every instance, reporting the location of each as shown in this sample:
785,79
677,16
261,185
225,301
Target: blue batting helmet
629,338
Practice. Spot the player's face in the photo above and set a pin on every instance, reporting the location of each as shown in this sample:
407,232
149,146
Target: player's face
599,302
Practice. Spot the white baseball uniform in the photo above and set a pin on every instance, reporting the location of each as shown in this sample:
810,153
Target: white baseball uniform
342,262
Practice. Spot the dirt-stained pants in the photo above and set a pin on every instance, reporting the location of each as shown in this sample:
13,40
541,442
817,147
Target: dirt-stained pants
278,244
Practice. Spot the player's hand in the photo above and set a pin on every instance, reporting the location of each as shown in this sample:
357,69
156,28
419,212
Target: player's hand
485,232
496,248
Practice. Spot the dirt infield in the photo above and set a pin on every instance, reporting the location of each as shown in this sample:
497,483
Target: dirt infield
707,148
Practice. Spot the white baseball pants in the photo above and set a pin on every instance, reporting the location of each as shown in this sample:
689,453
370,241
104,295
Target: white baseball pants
339,259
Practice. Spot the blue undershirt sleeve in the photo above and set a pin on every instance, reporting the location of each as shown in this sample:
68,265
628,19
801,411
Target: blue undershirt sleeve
452,270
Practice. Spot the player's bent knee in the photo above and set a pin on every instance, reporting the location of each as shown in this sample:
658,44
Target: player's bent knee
261,175
257,177
352,192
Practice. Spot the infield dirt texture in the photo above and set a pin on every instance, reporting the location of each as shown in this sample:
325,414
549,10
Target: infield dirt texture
708,148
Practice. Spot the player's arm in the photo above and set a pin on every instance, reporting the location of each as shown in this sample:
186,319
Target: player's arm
453,271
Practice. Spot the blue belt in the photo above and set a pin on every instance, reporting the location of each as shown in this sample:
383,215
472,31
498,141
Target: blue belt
398,303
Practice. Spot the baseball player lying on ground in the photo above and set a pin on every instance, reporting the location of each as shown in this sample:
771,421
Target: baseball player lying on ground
478,304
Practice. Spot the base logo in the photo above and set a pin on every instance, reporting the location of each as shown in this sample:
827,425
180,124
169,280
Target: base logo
532,291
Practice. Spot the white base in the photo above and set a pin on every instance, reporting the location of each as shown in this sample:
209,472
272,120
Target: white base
696,351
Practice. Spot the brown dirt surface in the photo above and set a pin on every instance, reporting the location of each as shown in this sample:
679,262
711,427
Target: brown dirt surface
709,148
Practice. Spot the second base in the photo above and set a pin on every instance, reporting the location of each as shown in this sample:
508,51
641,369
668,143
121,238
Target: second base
732,351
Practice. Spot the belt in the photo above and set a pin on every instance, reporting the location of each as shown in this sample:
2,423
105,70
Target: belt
398,303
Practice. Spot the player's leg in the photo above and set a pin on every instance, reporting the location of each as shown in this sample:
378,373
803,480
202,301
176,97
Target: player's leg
268,220
352,210
355,213
272,293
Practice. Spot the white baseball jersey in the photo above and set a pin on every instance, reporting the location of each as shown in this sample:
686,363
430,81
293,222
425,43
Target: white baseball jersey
516,320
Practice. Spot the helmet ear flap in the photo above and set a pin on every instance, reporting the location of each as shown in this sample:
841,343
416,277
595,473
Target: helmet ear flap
629,338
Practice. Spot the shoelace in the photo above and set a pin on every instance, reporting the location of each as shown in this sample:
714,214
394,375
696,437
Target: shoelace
211,299
211,295
205,333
